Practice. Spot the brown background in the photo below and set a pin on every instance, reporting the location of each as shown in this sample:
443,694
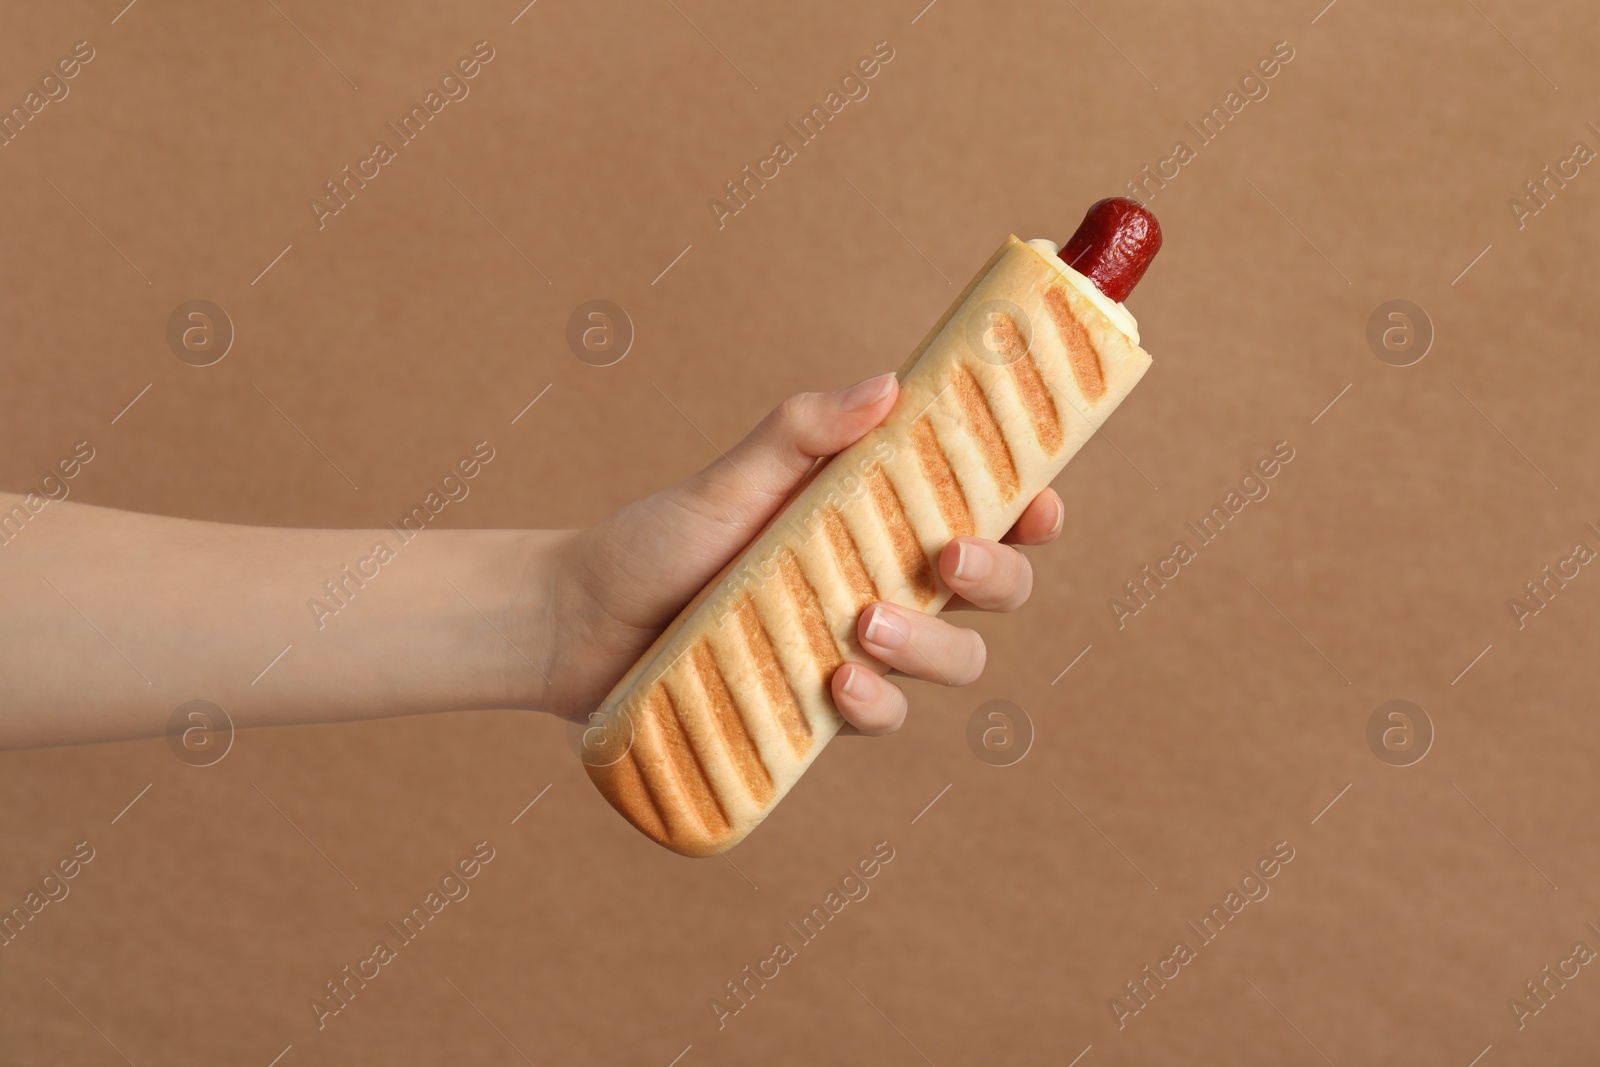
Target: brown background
1194,739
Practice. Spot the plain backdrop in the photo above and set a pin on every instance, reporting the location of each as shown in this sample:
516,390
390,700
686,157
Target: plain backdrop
1180,747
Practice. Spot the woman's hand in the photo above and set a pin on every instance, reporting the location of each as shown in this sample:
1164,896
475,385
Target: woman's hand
615,586
121,618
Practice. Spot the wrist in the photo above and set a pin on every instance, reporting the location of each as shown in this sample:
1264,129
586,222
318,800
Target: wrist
466,627
533,570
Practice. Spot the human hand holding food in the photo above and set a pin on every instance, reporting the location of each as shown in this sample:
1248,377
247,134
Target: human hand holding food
620,582
120,617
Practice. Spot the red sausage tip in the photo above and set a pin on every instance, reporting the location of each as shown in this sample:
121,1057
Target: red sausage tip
1113,245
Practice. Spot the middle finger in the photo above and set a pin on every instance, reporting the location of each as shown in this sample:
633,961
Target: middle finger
921,645
985,574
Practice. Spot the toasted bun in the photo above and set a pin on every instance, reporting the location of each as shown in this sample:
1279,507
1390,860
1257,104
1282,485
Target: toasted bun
725,711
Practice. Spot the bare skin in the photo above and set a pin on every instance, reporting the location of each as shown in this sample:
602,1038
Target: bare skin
115,618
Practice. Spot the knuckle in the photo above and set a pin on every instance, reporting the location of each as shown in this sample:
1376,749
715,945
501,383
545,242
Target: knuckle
792,412
1021,583
894,710
973,662
882,715
788,430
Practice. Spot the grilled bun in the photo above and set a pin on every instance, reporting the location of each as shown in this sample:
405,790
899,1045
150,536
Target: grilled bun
728,707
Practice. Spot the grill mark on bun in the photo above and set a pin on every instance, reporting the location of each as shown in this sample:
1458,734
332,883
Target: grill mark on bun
649,759
1035,396
780,694
907,549
942,479
808,606
985,430
683,763
631,782
730,723
1080,352
848,556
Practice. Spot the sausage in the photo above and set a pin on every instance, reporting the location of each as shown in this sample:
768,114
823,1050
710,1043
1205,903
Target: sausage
1113,245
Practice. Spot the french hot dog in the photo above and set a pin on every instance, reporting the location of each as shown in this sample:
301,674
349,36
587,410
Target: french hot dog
724,712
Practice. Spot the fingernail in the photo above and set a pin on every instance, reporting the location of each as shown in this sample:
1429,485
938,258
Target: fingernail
1061,518
856,685
972,562
865,394
886,630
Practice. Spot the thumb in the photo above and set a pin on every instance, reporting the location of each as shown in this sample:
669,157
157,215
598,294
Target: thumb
752,480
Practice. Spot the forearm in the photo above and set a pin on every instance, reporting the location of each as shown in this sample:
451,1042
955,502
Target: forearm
113,619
